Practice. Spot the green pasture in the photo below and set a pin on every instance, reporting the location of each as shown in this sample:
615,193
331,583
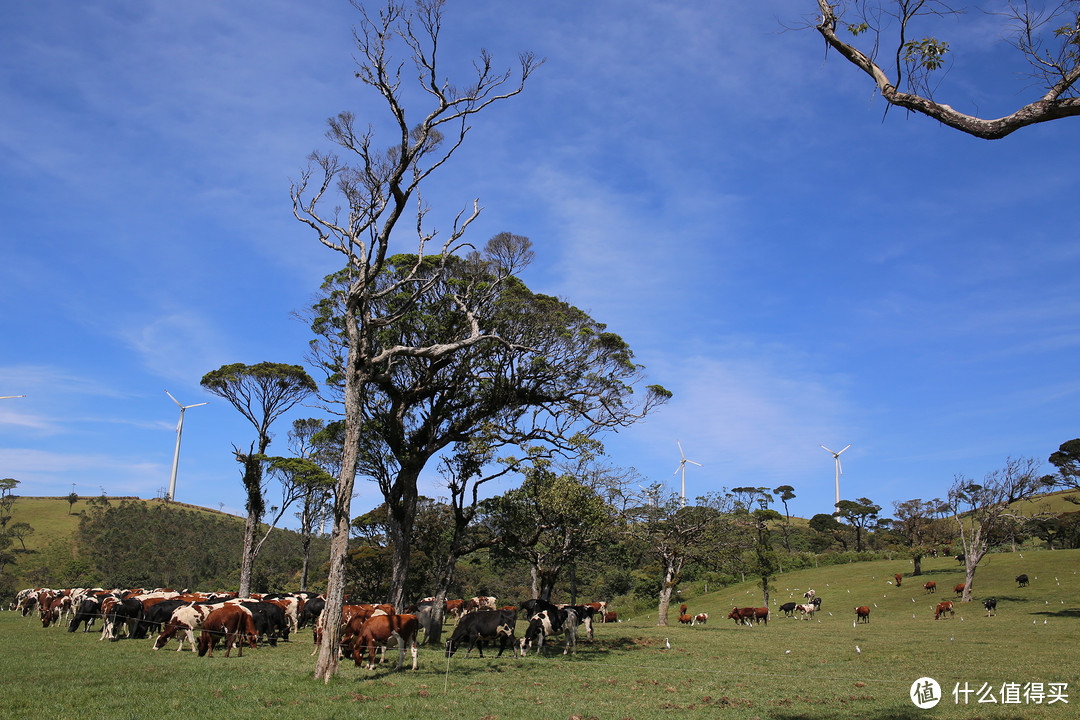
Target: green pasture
789,669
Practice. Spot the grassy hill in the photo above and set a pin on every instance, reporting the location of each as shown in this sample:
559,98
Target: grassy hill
55,521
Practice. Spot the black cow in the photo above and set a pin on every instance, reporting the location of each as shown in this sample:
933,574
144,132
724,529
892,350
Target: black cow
532,607
312,610
86,611
128,611
789,609
480,625
1022,580
991,606
270,622
816,602
551,622
156,616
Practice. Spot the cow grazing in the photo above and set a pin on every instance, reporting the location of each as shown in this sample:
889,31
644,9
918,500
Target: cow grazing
86,611
311,611
1022,580
898,577
611,616
682,609
991,606
944,607
482,625
809,594
761,614
377,632
551,622
862,613
685,619
128,612
806,610
959,589
930,586
232,623
741,615
789,609
183,623
700,619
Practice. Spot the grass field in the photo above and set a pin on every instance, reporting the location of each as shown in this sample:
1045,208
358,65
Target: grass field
789,669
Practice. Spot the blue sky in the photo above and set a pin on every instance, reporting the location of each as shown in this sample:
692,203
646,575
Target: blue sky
797,266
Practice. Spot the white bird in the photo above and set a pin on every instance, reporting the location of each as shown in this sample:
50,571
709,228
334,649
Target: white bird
830,614
1044,622
668,643
912,616
875,604
951,639
912,599
961,618
787,652
858,650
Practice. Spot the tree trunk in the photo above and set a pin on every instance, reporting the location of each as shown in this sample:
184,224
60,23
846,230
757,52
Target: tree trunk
247,560
672,566
401,516
918,565
327,663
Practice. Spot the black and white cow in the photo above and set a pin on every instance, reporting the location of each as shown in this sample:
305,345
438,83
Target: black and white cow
480,625
551,622
125,612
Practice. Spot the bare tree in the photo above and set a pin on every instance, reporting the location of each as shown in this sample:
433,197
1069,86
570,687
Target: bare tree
983,510
377,187
901,64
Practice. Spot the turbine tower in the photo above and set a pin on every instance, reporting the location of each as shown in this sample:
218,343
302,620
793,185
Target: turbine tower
839,472
682,468
176,455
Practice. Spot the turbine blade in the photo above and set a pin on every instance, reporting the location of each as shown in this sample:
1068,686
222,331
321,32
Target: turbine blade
681,450
695,463
839,469
828,449
195,405
174,399
843,450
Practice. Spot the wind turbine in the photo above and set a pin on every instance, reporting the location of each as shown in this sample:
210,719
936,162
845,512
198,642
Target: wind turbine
839,472
9,397
682,467
176,455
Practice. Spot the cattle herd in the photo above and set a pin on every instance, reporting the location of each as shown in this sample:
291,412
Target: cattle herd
364,628
236,622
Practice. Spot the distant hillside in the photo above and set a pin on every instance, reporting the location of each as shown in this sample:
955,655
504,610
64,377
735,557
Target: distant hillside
52,517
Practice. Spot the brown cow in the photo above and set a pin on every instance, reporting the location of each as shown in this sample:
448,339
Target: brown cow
862,613
930,586
761,614
959,589
741,615
348,612
611,616
944,607
685,619
378,630
898,578
231,622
